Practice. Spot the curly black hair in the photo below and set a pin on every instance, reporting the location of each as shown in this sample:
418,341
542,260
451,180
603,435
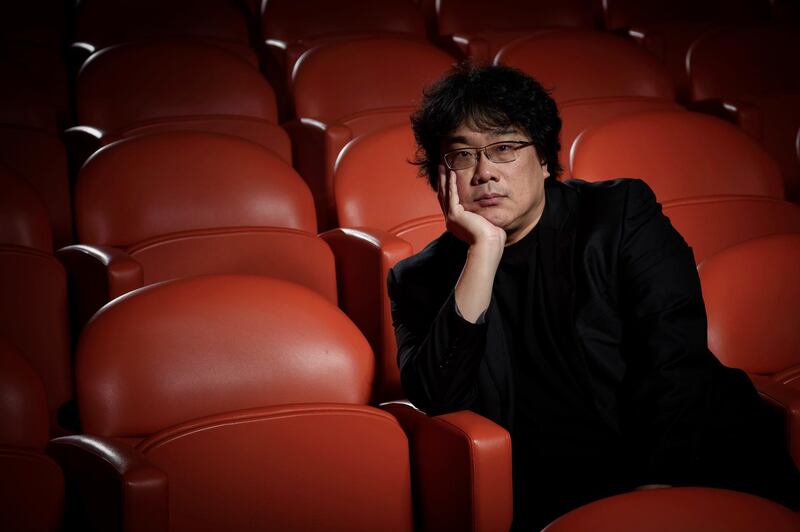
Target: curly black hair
487,97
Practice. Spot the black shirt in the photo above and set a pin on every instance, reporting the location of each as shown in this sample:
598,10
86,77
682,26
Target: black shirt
564,454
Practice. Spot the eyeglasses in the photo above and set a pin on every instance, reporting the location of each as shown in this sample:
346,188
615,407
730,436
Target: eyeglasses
498,152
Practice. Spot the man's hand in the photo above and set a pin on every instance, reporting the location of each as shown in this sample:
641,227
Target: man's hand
486,242
467,226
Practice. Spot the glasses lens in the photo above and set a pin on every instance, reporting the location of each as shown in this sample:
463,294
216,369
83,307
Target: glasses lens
461,159
503,152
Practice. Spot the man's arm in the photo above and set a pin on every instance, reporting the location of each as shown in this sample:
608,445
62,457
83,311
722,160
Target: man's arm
439,367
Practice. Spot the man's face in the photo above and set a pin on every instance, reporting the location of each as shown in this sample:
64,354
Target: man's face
508,194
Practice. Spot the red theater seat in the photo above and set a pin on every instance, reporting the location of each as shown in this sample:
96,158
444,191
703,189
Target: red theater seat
685,509
622,14
39,158
579,115
680,155
386,213
103,23
227,402
290,28
752,301
345,89
480,38
33,307
713,223
31,483
177,204
578,64
748,74
125,85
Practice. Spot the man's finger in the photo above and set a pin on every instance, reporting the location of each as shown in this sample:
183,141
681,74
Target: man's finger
452,190
442,192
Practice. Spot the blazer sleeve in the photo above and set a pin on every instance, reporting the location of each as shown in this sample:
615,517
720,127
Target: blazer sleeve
670,371
438,351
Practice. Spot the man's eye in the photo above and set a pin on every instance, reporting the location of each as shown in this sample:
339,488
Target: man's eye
500,148
466,154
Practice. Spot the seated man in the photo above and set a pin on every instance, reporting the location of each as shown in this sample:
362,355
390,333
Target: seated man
569,313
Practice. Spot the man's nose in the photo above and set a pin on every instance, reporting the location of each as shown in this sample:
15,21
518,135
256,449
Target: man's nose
485,169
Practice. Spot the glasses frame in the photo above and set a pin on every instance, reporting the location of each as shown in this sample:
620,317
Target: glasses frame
482,150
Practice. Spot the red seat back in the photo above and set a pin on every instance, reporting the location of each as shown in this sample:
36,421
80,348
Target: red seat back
127,84
173,352
688,509
712,224
289,21
32,485
458,16
24,221
579,115
578,64
680,155
744,61
154,185
335,81
752,300
376,186
40,159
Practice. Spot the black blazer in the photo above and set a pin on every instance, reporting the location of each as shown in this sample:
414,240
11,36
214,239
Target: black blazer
623,297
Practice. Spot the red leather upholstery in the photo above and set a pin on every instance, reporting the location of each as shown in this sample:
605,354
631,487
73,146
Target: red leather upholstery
388,215
579,115
40,159
23,403
267,134
321,91
152,185
752,303
31,484
752,60
247,393
287,21
124,85
179,204
579,64
23,218
712,224
102,23
335,108
462,469
174,352
680,155
620,14
480,38
685,509
34,319
742,73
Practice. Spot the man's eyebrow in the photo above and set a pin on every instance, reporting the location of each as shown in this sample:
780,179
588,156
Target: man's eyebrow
504,131
456,140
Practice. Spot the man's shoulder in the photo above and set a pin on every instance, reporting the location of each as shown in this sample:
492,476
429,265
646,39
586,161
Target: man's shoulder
608,189
611,198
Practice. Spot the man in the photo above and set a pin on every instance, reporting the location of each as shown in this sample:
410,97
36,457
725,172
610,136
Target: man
569,313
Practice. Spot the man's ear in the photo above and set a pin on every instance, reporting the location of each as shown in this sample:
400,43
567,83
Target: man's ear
545,172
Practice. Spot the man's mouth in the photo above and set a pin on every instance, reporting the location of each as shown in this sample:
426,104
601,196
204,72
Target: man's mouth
489,200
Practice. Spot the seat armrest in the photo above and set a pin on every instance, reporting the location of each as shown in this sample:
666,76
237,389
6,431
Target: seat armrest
110,486
787,399
363,259
461,466
95,276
